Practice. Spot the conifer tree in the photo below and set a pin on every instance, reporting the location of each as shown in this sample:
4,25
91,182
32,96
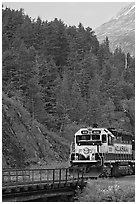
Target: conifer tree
48,74
78,104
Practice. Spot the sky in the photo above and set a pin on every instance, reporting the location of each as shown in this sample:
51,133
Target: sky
89,13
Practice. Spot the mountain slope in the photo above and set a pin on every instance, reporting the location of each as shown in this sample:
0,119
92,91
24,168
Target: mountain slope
25,141
120,30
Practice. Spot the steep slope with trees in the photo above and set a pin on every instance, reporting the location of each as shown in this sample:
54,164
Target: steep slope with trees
27,142
63,79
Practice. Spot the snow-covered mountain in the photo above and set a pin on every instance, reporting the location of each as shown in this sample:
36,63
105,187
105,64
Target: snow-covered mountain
120,30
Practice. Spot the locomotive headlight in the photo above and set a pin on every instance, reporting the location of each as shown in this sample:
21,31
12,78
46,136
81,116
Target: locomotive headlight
92,157
80,150
86,150
90,150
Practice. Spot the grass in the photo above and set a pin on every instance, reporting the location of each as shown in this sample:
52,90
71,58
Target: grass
51,165
105,190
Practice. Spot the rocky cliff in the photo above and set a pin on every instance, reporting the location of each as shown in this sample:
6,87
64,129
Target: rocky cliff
25,141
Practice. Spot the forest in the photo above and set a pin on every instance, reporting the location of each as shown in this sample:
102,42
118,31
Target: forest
63,76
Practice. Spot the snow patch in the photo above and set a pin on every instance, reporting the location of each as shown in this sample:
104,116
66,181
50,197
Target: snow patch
130,10
124,12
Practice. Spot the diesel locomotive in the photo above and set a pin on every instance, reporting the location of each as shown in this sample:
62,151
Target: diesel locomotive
108,151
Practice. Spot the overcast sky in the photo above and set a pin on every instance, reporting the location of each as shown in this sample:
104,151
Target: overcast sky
91,14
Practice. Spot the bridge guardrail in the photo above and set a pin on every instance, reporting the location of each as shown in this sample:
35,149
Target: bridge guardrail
14,177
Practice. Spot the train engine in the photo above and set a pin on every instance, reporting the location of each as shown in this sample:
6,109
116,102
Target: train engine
105,150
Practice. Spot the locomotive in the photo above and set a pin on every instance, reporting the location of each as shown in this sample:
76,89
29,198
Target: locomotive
105,151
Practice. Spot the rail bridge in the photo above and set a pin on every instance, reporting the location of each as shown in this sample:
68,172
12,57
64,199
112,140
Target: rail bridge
32,184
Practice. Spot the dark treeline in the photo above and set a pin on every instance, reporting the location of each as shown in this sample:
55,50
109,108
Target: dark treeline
63,76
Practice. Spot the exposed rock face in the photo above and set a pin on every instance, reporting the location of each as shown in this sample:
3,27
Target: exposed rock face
25,141
120,30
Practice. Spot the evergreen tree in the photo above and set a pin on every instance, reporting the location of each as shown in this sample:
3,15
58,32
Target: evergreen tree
78,104
129,111
48,75
87,69
26,32
63,101
93,114
57,45
11,20
119,60
63,75
108,113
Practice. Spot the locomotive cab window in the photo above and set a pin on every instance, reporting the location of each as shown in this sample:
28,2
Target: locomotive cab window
82,137
110,140
104,138
95,137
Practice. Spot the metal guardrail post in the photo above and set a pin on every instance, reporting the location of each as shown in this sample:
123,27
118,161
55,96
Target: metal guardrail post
2,178
66,178
53,175
47,173
9,178
17,176
29,176
59,176
40,175
23,176
32,176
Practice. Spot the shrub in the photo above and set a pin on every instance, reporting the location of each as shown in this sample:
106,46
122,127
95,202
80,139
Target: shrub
107,191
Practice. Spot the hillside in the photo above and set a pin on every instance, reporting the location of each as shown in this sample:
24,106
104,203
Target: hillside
56,78
120,30
25,141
